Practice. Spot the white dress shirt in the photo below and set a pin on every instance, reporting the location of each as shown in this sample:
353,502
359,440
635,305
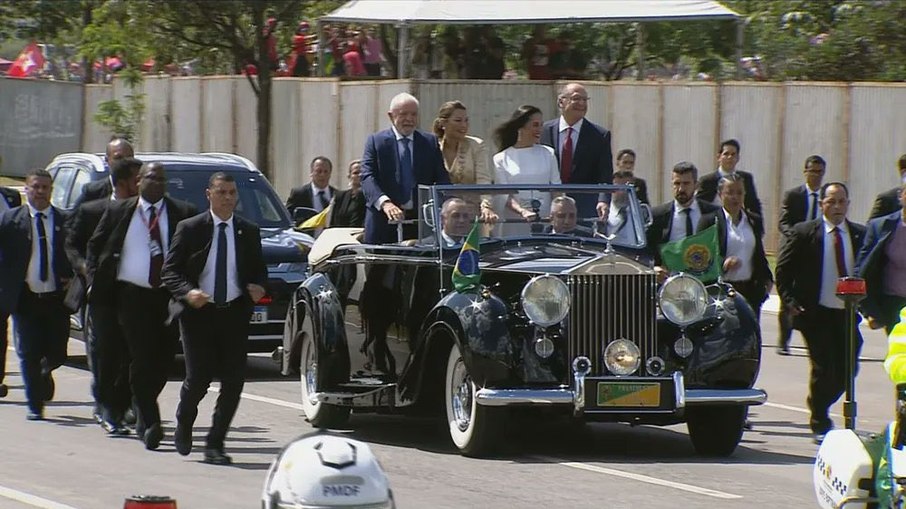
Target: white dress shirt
678,229
575,134
33,275
741,244
400,149
827,296
135,260
809,200
316,201
207,278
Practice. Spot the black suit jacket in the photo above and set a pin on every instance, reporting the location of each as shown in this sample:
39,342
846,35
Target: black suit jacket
794,209
707,190
871,261
106,243
95,191
304,197
592,159
81,226
11,196
348,209
800,263
15,254
189,250
662,223
885,203
761,270
641,189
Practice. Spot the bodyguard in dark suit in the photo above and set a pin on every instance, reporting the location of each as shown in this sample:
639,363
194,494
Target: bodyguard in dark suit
882,263
33,274
216,270
117,148
395,162
727,158
677,219
801,203
125,257
9,199
318,192
626,163
582,147
809,264
889,201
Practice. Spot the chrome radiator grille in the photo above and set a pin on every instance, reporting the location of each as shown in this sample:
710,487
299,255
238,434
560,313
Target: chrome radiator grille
608,307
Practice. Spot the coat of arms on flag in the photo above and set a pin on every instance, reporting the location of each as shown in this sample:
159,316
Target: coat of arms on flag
466,274
697,255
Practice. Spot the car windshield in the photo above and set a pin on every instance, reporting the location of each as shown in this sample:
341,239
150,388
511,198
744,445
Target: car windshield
257,200
555,212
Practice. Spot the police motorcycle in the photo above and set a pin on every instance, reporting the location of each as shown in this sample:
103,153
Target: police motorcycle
855,469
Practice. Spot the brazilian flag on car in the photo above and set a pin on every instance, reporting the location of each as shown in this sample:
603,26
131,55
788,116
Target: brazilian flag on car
466,274
697,255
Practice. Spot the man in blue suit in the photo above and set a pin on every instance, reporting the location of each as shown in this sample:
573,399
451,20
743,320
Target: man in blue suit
882,262
9,199
395,162
34,270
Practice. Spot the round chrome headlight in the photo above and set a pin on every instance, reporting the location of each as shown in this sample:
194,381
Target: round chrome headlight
621,357
545,300
683,299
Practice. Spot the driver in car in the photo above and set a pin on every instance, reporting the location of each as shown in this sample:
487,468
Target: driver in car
456,217
564,218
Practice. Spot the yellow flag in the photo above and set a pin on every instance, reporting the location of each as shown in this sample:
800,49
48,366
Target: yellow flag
318,220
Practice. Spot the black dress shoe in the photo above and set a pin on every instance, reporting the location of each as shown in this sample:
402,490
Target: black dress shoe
129,417
115,428
4,390
49,387
182,439
152,437
35,415
216,457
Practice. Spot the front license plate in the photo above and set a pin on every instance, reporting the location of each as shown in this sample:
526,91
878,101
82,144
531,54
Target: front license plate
629,394
259,315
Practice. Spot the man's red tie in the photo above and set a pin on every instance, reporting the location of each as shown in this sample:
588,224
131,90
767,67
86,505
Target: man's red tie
157,256
838,250
566,157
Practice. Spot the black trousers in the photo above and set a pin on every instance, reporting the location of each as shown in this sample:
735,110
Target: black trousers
112,360
142,313
785,326
4,344
91,355
215,343
824,330
753,293
42,333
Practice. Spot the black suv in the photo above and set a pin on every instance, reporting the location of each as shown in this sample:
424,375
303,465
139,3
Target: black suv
187,178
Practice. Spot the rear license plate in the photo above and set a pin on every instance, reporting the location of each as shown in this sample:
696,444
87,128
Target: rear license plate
259,315
629,394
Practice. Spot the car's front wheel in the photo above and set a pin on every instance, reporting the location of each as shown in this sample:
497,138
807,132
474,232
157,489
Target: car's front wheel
716,430
320,415
473,427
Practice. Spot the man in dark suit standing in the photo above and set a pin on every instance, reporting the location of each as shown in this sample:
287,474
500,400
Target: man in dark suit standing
215,268
882,263
889,201
677,219
110,392
9,199
117,148
809,264
33,273
582,147
727,158
318,192
125,257
395,162
799,204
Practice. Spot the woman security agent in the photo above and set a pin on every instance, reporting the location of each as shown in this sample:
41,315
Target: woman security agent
465,157
522,160
739,233
626,162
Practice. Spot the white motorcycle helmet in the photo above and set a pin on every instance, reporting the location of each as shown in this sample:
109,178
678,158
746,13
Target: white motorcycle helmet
323,470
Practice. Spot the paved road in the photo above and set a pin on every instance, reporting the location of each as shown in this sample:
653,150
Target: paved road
68,462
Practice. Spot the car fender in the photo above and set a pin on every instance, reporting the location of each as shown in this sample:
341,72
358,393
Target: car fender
318,300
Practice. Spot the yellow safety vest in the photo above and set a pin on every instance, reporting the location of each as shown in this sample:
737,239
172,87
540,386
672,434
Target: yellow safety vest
895,362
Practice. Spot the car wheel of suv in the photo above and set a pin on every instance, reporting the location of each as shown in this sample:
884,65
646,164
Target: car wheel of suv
320,415
716,430
473,427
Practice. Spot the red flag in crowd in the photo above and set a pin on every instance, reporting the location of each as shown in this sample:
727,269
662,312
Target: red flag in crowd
28,62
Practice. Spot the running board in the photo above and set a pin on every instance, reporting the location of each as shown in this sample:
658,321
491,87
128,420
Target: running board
385,395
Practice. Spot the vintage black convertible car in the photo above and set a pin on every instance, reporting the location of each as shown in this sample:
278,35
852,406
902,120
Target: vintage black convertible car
568,315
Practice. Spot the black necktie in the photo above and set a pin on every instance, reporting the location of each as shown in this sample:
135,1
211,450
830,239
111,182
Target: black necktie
407,180
42,245
838,253
813,213
220,272
688,213
322,199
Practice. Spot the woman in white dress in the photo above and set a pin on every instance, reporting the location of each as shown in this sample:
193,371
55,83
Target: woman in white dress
522,160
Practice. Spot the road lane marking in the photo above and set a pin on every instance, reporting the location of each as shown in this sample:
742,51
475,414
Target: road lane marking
263,399
32,500
642,478
790,408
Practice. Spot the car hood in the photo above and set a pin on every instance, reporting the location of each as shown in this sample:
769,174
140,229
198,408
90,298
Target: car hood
283,246
561,259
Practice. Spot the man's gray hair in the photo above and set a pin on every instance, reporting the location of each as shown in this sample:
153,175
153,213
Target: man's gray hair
401,99
560,200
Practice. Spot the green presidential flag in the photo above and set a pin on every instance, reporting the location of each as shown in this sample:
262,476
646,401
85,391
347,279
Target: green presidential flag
466,274
697,255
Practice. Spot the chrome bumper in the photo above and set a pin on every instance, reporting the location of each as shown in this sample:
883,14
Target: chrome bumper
575,395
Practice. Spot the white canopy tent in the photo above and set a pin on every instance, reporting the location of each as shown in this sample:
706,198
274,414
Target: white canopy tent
405,13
